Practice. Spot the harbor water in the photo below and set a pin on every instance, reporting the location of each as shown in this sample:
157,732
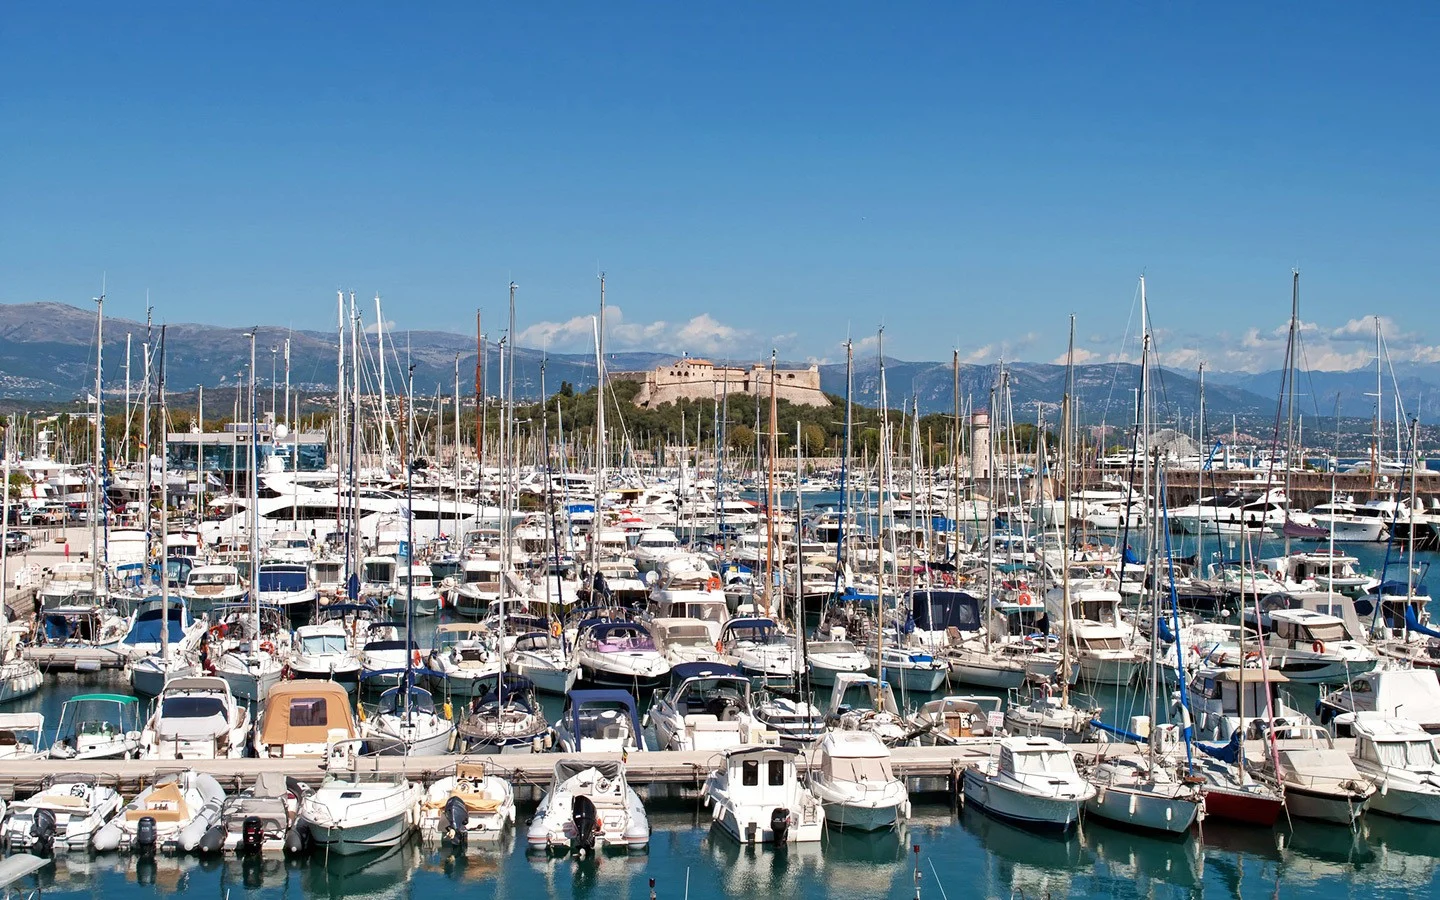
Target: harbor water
941,852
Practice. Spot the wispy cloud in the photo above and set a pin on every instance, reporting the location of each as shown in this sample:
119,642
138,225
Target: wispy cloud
699,334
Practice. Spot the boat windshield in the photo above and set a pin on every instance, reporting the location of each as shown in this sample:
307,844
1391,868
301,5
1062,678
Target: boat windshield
191,707
203,579
872,768
1407,754
1044,762
322,643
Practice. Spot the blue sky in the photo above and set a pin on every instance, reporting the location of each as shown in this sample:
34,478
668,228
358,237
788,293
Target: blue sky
749,175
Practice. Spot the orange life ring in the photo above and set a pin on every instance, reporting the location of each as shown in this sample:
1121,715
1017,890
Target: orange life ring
1252,656
415,658
1025,599
267,647
1318,646
712,584
555,629
719,646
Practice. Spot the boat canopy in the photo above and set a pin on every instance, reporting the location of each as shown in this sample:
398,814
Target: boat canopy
306,711
939,610
577,701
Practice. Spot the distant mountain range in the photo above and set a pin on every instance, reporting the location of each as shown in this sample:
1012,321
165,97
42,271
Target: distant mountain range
47,355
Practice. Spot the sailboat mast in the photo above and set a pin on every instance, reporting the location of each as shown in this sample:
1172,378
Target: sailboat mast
884,476
254,493
97,564
164,508
770,499
383,413
1065,540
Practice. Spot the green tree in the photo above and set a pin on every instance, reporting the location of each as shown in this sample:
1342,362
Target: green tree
741,438
814,439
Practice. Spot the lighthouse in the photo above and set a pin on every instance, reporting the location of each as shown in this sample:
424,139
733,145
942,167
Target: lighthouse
980,447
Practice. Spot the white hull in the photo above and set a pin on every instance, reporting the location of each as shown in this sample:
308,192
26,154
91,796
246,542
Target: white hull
1139,807
350,840
860,817
1031,810
1407,804
546,678
19,678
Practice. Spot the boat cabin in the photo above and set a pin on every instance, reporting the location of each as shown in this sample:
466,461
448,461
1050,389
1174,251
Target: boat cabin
301,717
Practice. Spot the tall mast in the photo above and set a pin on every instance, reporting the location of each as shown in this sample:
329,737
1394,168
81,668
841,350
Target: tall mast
341,434
883,473
1065,541
125,434
842,537
954,532
164,508
97,568
254,495
409,530
770,498
384,412
457,452
479,401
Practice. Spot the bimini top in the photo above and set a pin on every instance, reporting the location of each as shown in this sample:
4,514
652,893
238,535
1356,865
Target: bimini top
575,701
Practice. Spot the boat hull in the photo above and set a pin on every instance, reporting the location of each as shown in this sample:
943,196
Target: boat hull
1137,807
353,839
1245,807
857,817
1025,810
1323,806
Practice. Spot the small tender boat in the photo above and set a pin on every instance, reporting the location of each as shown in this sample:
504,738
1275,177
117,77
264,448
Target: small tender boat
758,798
263,818
851,775
1050,715
175,812
1030,781
301,718
63,815
357,812
589,805
21,735
470,805
1320,781
830,657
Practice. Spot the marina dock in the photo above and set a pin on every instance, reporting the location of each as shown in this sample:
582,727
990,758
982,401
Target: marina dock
654,774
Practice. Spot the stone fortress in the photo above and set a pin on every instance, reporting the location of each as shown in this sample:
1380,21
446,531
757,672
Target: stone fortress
700,379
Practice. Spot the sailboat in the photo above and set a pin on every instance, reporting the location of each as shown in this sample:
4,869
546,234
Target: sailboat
1144,790
406,721
18,676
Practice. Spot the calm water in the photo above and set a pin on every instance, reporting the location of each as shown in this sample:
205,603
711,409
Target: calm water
961,855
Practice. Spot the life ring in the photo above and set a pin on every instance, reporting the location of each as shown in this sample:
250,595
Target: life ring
267,647
1252,656
1318,646
555,629
712,584
1025,599
719,646
415,657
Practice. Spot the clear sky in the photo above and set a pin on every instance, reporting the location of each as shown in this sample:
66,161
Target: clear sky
749,175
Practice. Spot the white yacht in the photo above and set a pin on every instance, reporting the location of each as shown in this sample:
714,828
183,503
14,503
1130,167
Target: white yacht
407,723
1138,791
600,721
546,659
589,806
851,775
249,650
421,588
706,708
1031,781
325,650
757,797
1401,757
619,654
758,646
357,812
210,587
287,587
1215,702
1314,648
1392,692
196,718
301,718
1320,781
468,655
98,726
828,658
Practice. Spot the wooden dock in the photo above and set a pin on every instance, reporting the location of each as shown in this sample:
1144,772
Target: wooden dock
76,659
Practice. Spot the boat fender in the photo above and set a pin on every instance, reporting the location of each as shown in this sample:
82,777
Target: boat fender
191,835
455,817
213,840
780,824
252,835
297,839
585,819
43,831
146,835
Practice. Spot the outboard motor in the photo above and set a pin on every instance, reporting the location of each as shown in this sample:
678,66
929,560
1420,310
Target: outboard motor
43,831
252,835
297,839
213,840
780,825
583,814
455,817
146,836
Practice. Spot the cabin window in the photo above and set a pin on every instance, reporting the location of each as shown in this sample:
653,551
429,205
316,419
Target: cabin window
777,772
307,712
1406,754
750,773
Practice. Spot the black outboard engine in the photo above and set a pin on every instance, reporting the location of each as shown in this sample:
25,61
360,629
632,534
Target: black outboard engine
583,814
780,825
456,818
146,836
297,839
43,831
252,835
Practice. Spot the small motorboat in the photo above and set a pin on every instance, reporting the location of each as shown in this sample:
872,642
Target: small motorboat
589,806
301,718
600,721
706,708
468,656
757,797
21,735
851,775
470,805
830,657
97,726
1402,757
1320,781
63,815
1030,781
174,813
196,718
263,818
355,811
407,723
619,654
